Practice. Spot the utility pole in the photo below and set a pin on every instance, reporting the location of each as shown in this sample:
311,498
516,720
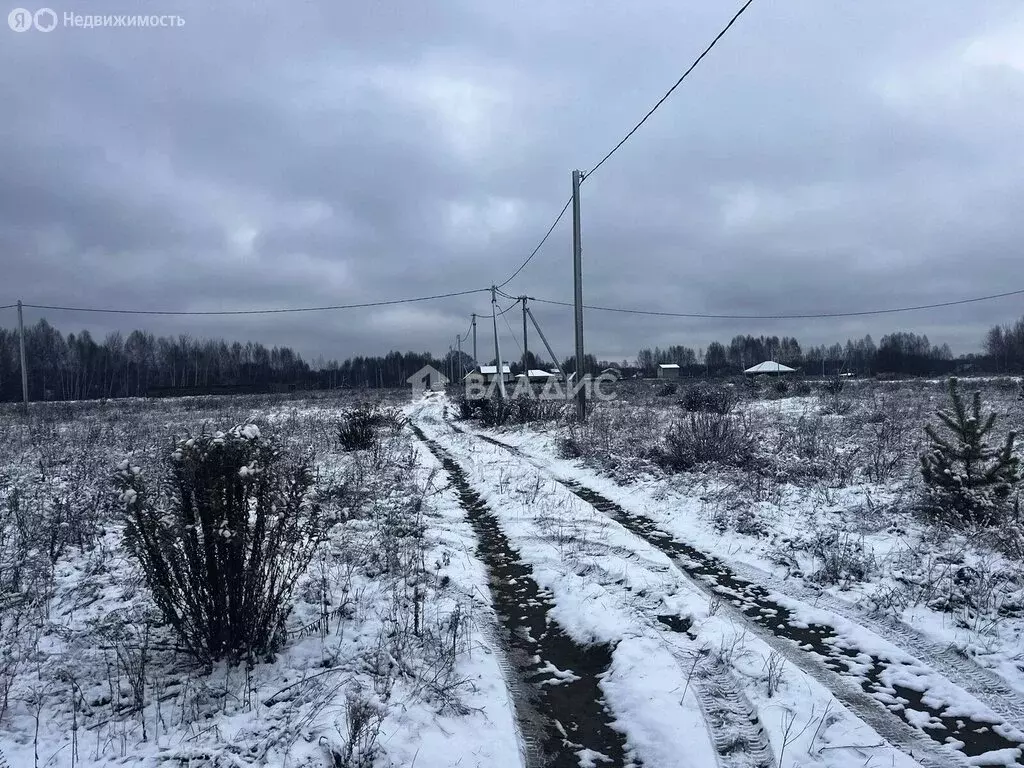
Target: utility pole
526,356
24,367
476,360
543,339
577,274
497,345
462,372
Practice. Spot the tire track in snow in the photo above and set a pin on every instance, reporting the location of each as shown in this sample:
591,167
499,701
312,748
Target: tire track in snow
981,683
731,719
834,666
555,681
985,685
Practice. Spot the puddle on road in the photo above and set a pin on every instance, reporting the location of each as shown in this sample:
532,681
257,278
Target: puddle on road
564,709
973,737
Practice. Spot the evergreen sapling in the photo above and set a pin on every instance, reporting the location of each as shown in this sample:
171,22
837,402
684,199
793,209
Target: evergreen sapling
966,477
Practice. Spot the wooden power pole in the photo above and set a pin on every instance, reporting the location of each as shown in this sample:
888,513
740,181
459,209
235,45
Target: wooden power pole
577,274
476,360
24,367
497,344
526,354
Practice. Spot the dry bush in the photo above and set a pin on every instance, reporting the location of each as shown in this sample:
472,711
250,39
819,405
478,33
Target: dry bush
811,450
222,536
889,431
617,439
845,559
709,398
364,716
668,389
529,410
360,427
978,591
493,411
740,517
707,437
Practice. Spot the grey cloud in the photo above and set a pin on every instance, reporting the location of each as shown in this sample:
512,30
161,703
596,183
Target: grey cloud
822,158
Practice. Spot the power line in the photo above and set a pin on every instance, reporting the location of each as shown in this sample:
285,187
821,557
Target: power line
8,306
256,311
506,295
786,317
513,334
626,138
668,93
540,244
509,307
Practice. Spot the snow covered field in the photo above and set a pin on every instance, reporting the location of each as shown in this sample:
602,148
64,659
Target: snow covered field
387,655
531,595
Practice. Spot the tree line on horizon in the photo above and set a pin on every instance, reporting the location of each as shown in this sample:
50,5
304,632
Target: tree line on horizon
78,367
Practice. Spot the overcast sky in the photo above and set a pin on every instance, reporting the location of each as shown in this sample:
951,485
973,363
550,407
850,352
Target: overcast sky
826,156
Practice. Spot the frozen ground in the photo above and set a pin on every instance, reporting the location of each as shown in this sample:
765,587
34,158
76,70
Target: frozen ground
388,661
925,618
485,601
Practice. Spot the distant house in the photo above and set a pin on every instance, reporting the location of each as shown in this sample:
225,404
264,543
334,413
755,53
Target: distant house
537,376
770,368
668,371
614,372
489,373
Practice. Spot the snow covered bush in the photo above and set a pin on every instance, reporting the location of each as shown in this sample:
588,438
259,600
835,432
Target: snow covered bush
619,441
359,427
707,437
808,450
834,386
222,536
465,406
845,560
668,389
363,720
978,588
888,428
493,411
523,408
709,398
831,399
967,479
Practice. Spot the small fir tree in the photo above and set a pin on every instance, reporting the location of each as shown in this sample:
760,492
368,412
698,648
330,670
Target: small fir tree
967,477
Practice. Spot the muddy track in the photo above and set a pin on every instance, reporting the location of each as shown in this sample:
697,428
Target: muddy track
963,671
986,686
853,676
555,681
735,730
